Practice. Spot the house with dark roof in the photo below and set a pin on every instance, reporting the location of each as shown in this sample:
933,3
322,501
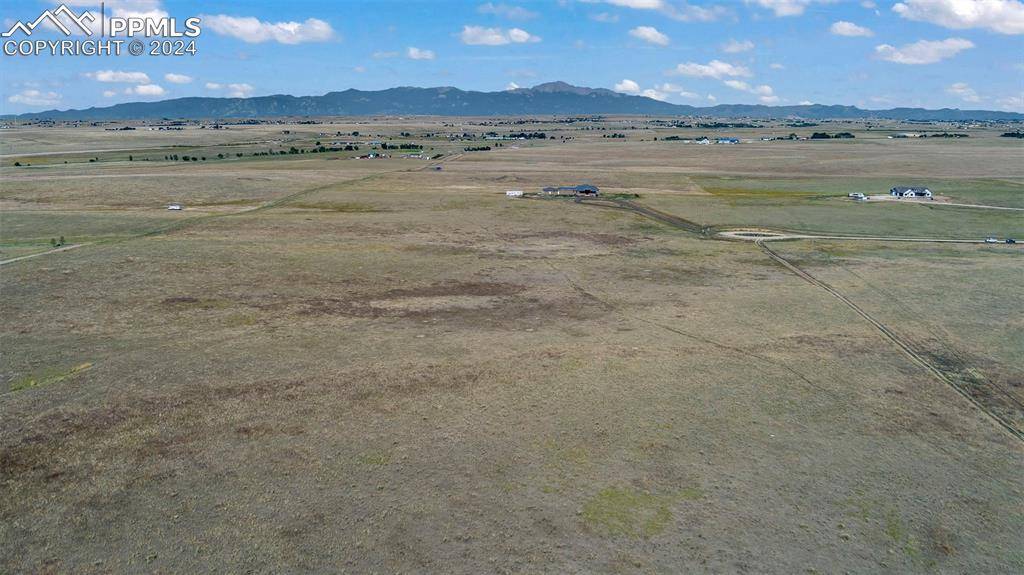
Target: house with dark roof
580,190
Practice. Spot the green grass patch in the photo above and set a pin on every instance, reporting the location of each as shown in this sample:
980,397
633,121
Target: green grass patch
48,377
628,512
374,459
345,207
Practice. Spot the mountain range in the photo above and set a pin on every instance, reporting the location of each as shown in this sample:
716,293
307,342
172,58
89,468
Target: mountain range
550,98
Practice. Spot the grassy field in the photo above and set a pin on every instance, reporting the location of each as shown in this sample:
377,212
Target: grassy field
333,364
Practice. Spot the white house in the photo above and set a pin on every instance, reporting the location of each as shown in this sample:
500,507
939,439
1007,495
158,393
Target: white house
905,192
175,207
514,193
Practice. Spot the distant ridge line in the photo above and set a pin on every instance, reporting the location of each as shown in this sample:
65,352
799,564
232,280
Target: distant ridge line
552,98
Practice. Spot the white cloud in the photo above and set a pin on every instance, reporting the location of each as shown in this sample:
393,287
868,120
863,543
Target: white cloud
712,98
638,4
359,69
628,87
35,98
1002,16
764,92
109,93
777,66
844,28
512,86
924,51
234,90
239,90
119,76
381,54
785,7
681,10
678,90
806,103
506,11
963,91
649,34
1012,103
714,69
254,31
605,17
415,53
178,78
145,90
480,36
868,4
660,92
735,46
654,94
520,36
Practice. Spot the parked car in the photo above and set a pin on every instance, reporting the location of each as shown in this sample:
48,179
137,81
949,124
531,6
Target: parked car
1011,241
991,240
175,207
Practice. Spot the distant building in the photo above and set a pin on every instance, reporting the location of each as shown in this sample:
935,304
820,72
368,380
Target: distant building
580,190
175,207
857,196
906,192
514,193
728,140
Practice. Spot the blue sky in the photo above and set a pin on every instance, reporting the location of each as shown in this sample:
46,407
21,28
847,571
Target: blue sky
872,54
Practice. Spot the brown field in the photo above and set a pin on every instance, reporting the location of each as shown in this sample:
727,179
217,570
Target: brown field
326,364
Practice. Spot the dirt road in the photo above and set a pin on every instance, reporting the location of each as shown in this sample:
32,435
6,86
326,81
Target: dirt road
931,203
890,335
762,237
53,251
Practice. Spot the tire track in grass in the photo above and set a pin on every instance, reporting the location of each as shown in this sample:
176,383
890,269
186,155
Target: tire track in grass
188,222
891,336
703,231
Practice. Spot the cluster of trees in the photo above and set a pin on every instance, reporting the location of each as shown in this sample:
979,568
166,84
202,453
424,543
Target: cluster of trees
477,149
948,135
615,135
1017,134
826,136
530,136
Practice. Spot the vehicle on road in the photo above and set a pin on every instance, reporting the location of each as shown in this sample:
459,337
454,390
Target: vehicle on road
991,240
1011,241
175,207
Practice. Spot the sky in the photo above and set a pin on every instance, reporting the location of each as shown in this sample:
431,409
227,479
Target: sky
872,54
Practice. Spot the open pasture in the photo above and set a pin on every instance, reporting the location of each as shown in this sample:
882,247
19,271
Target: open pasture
373,365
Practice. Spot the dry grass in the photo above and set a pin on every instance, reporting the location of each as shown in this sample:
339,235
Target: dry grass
396,369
